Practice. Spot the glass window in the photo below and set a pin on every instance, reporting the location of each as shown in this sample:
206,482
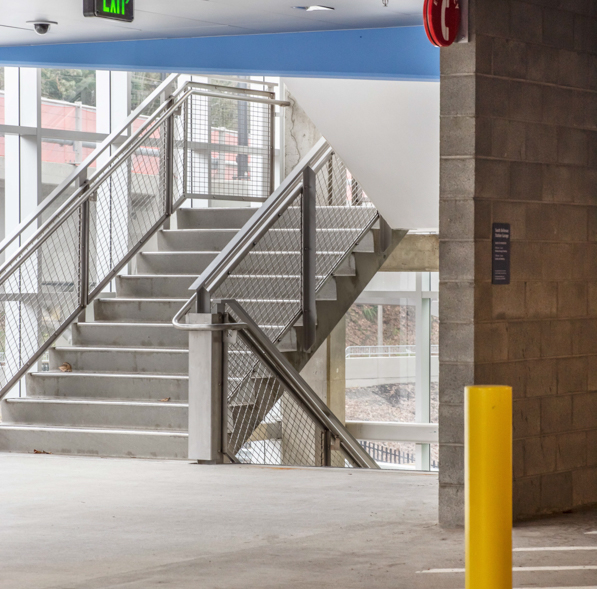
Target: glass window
385,373
142,85
68,100
2,120
381,362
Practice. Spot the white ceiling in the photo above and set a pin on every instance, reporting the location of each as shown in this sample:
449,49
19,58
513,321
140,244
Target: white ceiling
197,18
387,134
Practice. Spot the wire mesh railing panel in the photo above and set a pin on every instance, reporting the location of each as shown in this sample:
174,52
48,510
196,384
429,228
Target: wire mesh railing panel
127,204
273,270
229,151
39,293
268,280
268,423
344,210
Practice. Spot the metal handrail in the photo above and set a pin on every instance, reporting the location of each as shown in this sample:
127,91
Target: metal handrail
80,199
256,227
87,188
81,169
299,184
80,173
124,151
386,351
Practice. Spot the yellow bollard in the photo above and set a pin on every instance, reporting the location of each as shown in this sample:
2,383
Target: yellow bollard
488,487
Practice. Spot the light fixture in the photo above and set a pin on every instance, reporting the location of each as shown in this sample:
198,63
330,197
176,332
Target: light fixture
312,8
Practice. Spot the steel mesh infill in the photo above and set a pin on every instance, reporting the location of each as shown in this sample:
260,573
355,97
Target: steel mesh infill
268,280
229,148
266,422
39,295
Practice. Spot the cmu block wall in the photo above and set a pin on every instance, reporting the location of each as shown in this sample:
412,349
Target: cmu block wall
519,146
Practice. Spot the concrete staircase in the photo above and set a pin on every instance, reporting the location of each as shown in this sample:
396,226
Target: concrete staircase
127,393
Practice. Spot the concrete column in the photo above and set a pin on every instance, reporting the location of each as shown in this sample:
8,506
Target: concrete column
380,325
336,370
423,370
300,134
518,146
325,372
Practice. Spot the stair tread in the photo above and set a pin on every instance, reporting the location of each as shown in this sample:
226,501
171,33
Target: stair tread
181,253
83,373
93,430
121,348
123,324
143,299
96,401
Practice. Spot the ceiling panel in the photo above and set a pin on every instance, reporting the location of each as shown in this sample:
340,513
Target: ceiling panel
185,18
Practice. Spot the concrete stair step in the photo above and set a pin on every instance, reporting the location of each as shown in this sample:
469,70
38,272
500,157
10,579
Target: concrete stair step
193,263
271,263
95,413
154,335
128,443
214,218
129,310
327,238
159,335
97,359
155,286
246,287
97,385
194,240
266,287
334,217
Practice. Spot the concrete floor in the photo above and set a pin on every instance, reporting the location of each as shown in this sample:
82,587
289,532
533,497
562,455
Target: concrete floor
73,523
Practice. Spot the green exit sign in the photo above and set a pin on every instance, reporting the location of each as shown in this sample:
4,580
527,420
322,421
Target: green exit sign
122,10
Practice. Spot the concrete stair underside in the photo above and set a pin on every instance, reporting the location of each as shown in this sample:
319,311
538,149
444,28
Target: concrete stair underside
128,392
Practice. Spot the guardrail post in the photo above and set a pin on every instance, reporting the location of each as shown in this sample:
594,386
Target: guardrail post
169,155
272,148
309,237
205,391
84,248
203,301
488,487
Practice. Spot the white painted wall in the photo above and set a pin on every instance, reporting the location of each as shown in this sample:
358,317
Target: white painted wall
387,133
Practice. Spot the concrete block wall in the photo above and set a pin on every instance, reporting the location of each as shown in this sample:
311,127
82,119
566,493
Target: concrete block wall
519,146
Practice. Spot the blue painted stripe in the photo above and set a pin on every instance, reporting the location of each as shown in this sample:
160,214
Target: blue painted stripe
392,53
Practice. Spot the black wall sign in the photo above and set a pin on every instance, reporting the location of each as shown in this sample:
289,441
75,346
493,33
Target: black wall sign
122,10
500,255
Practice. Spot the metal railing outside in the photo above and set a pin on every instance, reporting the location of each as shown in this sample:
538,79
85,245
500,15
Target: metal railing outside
88,229
386,351
263,269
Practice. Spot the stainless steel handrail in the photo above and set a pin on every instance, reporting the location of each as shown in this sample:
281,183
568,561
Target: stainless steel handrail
81,169
284,371
81,196
124,151
87,189
256,227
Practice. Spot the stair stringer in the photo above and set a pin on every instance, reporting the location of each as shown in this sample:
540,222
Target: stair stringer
348,289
